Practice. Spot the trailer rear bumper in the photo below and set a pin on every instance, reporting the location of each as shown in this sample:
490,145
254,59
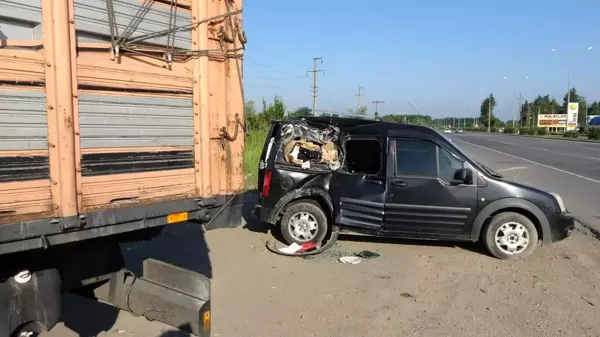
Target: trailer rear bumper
222,211
166,293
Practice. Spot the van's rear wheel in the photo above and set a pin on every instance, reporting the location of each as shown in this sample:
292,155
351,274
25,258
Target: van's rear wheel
302,222
510,236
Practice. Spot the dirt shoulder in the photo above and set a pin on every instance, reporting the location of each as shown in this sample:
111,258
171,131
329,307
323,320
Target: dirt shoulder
413,289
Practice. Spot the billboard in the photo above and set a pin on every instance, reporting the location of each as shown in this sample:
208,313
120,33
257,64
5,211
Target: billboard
552,121
572,113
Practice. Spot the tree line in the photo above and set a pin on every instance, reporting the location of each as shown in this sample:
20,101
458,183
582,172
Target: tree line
526,123
529,110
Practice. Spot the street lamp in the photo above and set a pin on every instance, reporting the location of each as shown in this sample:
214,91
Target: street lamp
569,83
516,102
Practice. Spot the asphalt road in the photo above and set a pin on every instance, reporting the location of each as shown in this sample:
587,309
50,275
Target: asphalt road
569,168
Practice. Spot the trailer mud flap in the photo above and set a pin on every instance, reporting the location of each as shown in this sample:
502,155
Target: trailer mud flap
165,293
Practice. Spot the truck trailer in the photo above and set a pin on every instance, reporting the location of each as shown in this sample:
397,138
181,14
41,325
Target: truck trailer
117,117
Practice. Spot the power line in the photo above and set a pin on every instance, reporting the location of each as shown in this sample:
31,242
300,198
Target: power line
412,106
277,56
314,87
274,78
272,69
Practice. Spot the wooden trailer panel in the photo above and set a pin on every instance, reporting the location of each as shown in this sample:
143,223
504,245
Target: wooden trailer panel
122,128
24,164
154,138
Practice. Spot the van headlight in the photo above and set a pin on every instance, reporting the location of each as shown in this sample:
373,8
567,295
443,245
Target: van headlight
560,202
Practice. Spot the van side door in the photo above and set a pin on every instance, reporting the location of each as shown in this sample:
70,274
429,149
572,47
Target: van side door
357,189
423,198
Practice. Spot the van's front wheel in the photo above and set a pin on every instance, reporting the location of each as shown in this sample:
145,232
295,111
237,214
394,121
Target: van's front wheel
302,222
510,236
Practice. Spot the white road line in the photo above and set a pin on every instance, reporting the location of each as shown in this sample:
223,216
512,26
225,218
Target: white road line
513,168
534,162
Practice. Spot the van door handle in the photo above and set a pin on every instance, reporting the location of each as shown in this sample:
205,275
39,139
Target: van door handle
399,184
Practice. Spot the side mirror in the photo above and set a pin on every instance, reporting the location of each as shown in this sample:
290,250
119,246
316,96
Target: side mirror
463,176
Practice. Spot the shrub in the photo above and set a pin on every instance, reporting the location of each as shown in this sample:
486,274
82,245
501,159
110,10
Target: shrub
593,132
493,129
509,130
542,131
523,131
531,132
571,134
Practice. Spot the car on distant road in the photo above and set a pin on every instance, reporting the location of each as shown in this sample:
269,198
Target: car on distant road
400,181
447,130
459,131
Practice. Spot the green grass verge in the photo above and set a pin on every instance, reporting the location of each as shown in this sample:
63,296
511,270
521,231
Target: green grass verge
580,138
253,148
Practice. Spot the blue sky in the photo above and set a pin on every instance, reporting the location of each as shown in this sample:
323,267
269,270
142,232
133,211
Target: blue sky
436,54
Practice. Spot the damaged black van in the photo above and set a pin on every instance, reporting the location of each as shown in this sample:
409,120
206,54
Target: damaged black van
396,180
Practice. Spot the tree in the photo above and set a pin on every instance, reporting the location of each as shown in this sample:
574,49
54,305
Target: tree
376,115
575,97
301,112
524,112
486,109
249,108
362,110
252,117
594,109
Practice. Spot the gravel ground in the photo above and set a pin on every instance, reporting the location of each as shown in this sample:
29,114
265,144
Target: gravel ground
413,289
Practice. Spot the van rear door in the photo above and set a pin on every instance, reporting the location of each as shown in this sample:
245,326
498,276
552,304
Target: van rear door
269,151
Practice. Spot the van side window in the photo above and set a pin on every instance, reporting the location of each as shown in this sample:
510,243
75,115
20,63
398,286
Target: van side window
363,156
448,165
416,157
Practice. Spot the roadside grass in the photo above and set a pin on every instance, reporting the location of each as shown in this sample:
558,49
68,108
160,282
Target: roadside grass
580,138
253,148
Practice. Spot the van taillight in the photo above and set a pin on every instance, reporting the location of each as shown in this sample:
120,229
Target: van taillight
266,184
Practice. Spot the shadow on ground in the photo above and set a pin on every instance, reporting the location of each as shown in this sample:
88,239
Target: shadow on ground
98,317
474,247
183,245
252,224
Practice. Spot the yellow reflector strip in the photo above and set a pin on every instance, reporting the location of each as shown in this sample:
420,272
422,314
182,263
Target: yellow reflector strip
207,321
177,217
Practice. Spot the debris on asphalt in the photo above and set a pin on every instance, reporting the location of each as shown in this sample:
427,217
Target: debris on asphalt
407,295
308,248
367,254
296,248
588,301
350,259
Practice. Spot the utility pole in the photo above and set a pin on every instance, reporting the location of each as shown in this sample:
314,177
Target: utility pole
377,105
360,89
489,113
314,87
519,103
568,90
515,113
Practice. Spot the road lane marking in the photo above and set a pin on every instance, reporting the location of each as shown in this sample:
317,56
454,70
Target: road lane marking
592,148
534,162
512,169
